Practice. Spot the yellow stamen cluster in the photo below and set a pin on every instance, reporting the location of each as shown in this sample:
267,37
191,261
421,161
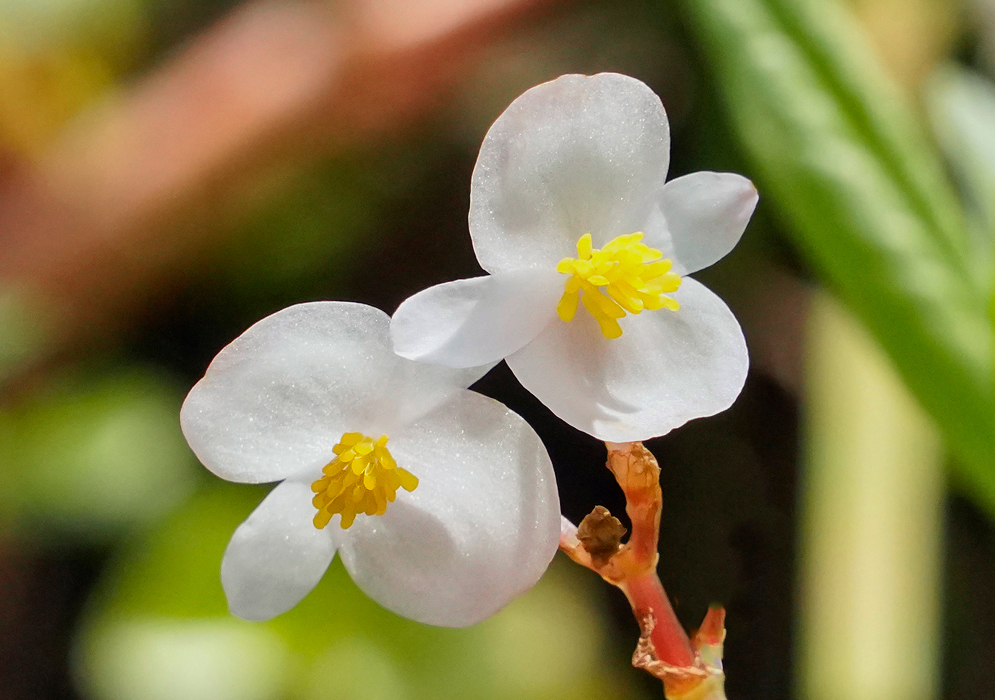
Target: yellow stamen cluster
633,276
363,478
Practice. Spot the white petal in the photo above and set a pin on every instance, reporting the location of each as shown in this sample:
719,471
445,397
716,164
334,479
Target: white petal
276,556
277,399
667,368
573,156
476,321
417,388
568,530
479,529
703,216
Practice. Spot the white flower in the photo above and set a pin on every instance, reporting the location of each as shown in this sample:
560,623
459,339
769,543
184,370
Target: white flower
589,155
315,397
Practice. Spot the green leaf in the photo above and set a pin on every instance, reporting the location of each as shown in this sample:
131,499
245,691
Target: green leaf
846,164
25,328
961,106
91,455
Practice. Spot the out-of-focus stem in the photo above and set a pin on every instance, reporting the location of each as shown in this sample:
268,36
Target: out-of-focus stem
871,533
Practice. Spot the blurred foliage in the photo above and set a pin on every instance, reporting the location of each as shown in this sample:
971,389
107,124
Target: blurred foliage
93,454
57,56
848,165
961,106
24,327
872,458
305,233
159,628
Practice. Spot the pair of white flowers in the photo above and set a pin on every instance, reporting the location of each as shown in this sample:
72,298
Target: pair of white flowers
442,502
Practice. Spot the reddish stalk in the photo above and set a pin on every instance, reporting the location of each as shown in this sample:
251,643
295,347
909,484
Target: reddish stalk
647,597
691,669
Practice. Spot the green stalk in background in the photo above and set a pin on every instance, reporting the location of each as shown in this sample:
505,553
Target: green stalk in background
846,164
872,514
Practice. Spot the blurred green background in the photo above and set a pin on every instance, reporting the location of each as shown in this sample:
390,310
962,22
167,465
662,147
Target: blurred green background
171,171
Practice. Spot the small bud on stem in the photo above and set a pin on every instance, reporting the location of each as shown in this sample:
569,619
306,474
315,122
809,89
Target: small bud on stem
601,535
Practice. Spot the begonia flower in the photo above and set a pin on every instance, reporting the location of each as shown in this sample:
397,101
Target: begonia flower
441,502
587,249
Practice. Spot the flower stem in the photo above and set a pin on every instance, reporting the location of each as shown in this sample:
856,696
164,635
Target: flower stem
691,669
647,597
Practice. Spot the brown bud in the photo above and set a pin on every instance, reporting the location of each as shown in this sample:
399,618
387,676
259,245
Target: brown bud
601,534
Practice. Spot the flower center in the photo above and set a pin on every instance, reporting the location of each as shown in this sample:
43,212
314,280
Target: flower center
625,275
363,478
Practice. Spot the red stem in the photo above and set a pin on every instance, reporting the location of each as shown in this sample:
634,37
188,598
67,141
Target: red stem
646,595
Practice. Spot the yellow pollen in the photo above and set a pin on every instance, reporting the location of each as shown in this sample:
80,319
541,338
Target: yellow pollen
363,478
625,275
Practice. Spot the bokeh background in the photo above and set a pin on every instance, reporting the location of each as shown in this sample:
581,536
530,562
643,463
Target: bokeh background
173,170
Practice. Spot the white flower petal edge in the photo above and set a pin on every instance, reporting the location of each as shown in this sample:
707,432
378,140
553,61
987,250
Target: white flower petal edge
481,527
276,556
475,321
272,402
485,480
666,369
704,216
589,155
276,400
579,154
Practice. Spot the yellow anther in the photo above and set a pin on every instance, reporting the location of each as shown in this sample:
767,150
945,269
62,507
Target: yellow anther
363,478
625,275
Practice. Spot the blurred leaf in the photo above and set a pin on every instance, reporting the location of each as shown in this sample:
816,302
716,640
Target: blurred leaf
57,56
169,659
92,455
302,235
35,24
24,328
962,108
159,628
843,159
